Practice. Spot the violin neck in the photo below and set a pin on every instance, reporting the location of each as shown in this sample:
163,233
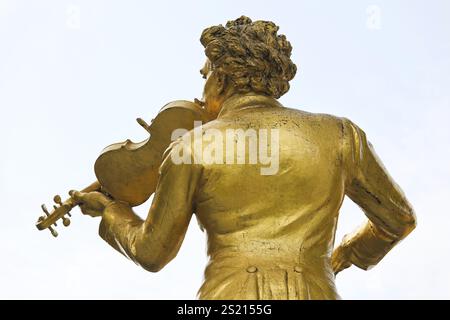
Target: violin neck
92,187
95,186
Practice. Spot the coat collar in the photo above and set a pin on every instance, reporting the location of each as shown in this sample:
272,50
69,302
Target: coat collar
243,101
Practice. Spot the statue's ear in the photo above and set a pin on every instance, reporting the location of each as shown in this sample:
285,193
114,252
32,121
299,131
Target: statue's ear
221,82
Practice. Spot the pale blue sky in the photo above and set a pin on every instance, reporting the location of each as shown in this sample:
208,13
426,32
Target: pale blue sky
69,87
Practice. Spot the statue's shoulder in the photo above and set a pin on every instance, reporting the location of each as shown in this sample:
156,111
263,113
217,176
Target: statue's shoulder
315,118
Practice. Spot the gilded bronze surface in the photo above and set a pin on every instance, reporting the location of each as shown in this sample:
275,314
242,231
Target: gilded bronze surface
270,236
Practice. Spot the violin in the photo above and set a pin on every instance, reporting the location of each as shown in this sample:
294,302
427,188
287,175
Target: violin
128,171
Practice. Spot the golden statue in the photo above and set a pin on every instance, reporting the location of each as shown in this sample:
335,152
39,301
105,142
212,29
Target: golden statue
270,226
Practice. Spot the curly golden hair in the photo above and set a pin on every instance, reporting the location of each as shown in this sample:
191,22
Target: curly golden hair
251,55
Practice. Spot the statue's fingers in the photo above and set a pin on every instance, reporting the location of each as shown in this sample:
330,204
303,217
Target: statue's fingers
341,266
88,211
77,195
85,210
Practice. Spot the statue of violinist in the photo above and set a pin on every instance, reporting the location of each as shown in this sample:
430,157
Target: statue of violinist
270,233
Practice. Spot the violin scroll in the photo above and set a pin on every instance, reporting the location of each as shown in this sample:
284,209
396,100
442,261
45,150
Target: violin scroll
61,210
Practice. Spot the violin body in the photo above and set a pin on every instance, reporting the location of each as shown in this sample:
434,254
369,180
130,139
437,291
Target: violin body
128,171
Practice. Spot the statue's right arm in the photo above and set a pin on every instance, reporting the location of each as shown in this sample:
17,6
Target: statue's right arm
155,241
390,216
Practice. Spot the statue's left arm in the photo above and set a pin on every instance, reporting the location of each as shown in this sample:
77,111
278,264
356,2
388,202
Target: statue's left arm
390,216
153,242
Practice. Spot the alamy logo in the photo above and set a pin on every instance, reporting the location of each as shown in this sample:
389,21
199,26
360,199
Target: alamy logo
232,147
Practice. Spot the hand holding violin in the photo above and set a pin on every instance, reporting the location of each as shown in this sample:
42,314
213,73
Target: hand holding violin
91,203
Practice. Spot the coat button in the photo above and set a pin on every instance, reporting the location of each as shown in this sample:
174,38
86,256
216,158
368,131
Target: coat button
298,269
252,269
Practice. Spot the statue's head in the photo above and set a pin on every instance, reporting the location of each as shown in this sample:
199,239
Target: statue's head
245,57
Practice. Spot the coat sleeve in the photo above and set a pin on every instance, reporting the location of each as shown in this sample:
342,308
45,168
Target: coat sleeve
390,216
153,242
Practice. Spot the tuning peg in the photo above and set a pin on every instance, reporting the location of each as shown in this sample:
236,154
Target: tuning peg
66,221
44,208
57,199
53,232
